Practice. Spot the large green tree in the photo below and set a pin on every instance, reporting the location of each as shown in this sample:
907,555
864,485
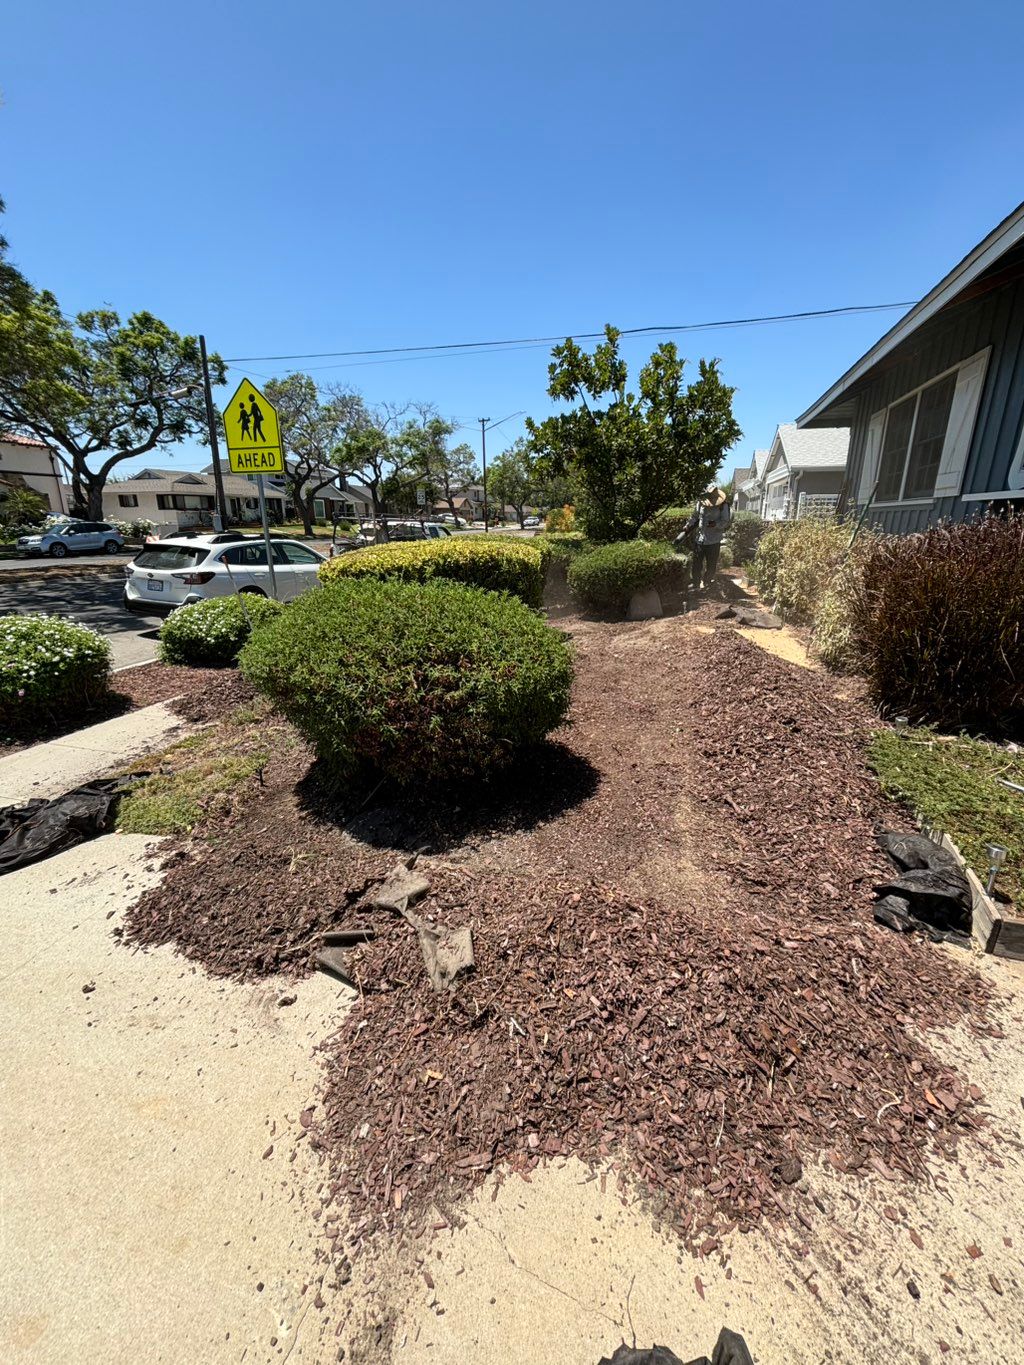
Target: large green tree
631,454
313,424
512,478
98,390
372,452
440,469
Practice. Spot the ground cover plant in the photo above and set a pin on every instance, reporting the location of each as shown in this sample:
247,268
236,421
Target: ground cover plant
190,777
607,577
938,625
953,782
412,681
497,563
210,634
49,667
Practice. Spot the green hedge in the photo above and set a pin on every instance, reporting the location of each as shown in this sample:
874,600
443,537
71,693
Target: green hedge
607,577
49,668
666,524
561,547
497,563
209,634
414,681
937,625
744,533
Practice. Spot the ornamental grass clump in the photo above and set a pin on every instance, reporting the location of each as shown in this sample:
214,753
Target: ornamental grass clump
497,563
744,535
795,563
939,625
209,634
49,668
414,682
608,576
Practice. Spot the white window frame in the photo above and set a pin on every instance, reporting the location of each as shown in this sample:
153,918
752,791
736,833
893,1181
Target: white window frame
901,501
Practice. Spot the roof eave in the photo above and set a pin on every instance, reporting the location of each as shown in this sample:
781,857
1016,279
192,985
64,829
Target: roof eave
835,408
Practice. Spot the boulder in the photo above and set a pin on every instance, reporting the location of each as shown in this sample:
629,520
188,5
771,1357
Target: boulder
644,606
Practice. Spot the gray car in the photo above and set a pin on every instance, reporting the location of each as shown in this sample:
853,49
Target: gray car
74,537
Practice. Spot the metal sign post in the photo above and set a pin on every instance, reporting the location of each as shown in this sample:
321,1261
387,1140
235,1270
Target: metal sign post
266,536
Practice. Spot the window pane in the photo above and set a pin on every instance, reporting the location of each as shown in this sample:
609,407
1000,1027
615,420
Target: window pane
298,554
894,449
929,434
170,557
246,556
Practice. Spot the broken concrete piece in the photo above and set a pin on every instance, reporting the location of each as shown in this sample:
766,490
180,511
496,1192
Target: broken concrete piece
334,962
644,606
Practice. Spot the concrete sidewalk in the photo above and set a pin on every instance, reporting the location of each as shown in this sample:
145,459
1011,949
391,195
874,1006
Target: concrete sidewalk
152,1137
49,769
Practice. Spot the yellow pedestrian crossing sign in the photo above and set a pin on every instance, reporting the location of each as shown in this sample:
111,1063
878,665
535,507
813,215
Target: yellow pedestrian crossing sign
253,433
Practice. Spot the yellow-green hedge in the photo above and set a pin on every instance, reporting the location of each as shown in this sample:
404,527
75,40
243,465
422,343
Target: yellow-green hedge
513,566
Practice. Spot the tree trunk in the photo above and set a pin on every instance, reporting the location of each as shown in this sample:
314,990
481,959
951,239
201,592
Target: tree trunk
306,510
521,514
95,500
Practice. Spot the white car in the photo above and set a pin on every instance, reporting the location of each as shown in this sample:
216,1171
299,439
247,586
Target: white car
401,530
170,573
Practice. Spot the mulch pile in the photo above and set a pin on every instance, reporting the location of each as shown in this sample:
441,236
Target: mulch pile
203,693
676,967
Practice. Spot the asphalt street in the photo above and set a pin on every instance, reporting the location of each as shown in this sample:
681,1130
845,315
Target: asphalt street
91,598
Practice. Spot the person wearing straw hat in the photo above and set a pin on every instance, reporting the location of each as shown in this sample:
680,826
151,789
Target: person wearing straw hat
704,532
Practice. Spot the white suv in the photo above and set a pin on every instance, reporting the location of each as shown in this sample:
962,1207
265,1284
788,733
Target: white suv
169,573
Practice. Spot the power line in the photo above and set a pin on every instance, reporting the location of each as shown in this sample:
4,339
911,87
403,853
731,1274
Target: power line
468,346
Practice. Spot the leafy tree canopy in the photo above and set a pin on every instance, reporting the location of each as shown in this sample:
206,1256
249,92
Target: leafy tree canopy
512,478
630,454
312,426
441,469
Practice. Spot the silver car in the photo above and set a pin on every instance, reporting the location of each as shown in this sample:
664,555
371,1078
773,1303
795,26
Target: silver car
170,573
74,537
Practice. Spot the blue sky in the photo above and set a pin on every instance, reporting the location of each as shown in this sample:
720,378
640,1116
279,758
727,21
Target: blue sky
324,177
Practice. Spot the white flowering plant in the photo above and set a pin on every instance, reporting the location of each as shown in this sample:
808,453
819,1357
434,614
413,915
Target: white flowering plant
48,667
138,529
210,634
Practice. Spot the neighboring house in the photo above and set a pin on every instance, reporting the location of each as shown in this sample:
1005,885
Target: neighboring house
936,407
27,463
175,500
748,492
342,496
804,472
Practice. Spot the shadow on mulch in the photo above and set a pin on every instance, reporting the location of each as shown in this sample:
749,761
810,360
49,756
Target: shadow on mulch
114,704
541,785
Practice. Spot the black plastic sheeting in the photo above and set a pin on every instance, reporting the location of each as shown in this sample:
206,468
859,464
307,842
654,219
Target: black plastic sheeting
931,893
40,829
730,1349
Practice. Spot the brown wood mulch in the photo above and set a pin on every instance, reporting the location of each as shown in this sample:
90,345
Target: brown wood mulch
200,694
676,967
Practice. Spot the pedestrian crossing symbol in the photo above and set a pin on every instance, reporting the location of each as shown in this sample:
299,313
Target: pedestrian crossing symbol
252,431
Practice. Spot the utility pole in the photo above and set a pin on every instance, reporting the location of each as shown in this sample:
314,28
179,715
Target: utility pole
483,451
221,511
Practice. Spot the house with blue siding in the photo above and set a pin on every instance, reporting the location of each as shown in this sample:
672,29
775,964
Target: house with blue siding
936,407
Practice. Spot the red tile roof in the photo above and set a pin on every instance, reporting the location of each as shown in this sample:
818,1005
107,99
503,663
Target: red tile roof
12,438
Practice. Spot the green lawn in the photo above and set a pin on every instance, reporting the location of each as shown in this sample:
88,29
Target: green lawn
952,782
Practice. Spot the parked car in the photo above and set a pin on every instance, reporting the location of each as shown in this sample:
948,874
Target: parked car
73,537
531,521
369,534
183,569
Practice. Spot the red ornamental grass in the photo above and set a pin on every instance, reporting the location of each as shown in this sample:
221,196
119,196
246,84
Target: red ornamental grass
938,625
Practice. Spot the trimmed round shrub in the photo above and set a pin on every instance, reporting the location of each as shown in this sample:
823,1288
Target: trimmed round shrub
413,681
49,668
209,634
608,576
938,624
497,563
561,519
744,533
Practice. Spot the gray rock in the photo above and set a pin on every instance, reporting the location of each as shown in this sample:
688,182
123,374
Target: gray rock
644,606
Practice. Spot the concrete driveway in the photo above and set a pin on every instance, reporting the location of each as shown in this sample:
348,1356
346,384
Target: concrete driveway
91,596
